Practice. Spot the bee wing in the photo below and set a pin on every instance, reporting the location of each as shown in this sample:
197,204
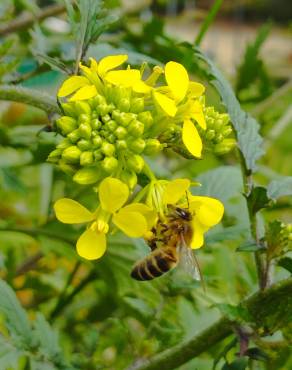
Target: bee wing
188,261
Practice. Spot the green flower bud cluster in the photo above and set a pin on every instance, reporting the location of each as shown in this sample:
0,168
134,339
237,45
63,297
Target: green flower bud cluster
105,134
217,135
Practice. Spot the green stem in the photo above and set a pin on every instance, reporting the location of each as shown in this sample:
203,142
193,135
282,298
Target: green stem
35,98
208,20
148,172
268,309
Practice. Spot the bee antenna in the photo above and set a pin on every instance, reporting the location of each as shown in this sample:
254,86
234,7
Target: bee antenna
188,200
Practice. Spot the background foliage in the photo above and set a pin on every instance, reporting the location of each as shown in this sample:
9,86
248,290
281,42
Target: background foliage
61,312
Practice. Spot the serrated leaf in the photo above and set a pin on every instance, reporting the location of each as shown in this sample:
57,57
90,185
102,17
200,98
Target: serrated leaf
286,263
258,199
16,318
280,188
246,127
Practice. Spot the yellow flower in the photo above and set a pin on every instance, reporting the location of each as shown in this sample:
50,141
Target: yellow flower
134,219
206,211
92,83
179,99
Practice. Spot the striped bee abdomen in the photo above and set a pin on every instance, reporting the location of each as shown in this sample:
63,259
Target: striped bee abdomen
155,264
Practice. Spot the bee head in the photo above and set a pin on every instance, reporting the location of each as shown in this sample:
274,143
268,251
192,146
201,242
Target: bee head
182,213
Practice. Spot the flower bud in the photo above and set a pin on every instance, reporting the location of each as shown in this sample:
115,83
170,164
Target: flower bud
116,114
97,100
98,156
97,141
111,125
71,154
210,122
55,155
86,176
103,109
135,163
95,124
125,119
69,109
107,149
83,118
106,118
86,158
74,136
146,118
85,130
129,178
136,145
218,125
227,131
121,132
67,168
121,144
210,134
111,138
82,107
152,147
124,105
225,146
66,124
109,164
137,105
136,128
64,144
84,144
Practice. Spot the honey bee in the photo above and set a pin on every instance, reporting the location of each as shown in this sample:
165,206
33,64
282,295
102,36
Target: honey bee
169,246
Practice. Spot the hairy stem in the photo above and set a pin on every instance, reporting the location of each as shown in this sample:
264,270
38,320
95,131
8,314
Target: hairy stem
270,309
35,98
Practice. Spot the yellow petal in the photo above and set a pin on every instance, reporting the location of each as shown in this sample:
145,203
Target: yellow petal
209,211
175,190
167,104
110,62
132,224
177,79
93,65
196,89
72,84
91,245
196,112
127,78
141,87
198,236
113,193
86,92
191,138
69,211
148,213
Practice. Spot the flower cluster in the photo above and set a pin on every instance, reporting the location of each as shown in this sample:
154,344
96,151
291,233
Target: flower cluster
112,119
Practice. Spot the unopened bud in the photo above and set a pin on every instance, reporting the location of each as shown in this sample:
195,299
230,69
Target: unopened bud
152,147
106,118
129,178
69,109
84,144
67,168
74,136
109,164
121,144
111,138
95,124
137,105
137,145
97,100
146,118
111,125
71,154
86,158
227,131
55,155
225,146
82,107
86,176
98,156
64,144
136,128
124,105
121,132
116,114
103,109
125,119
97,141
83,118
66,124
135,163
107,149
210,134
85,130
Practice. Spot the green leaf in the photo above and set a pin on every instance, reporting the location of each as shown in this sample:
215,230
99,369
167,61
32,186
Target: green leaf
258,199
17,321
234,313
9,355
286,263
239,364
256,353
246,127
280,188
140,307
